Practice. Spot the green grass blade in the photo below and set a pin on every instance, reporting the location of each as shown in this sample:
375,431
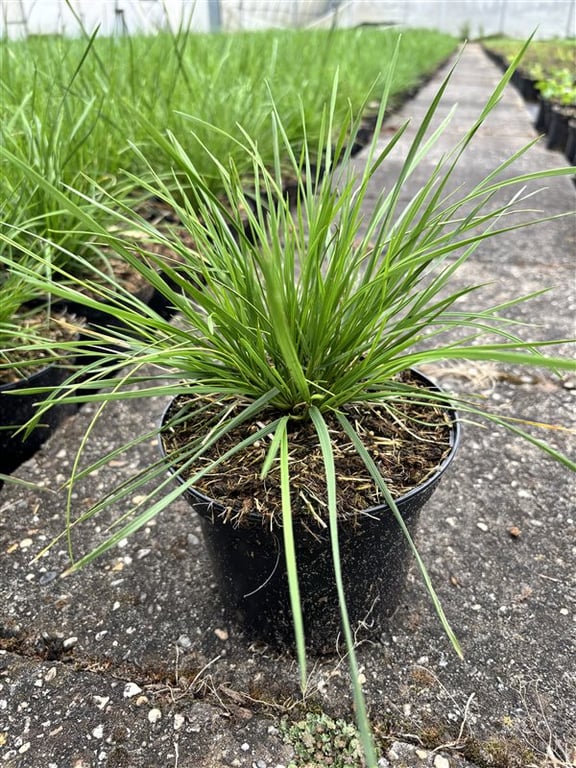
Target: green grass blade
290,553
359,699
380,482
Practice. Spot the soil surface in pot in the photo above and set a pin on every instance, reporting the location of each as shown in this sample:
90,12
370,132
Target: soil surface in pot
23,361
407,439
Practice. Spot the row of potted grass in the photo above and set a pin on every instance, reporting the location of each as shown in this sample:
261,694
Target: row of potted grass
298,318
542,59
95,114
84,102
547,75
86,112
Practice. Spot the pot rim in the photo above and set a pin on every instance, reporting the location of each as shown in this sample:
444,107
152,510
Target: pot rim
455,438
33,378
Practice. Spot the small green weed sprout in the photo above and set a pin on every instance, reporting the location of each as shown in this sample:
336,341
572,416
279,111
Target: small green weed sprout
319,740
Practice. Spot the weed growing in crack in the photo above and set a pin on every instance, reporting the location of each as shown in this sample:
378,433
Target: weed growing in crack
318,740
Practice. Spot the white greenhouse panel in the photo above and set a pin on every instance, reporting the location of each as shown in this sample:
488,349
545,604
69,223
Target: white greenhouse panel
44,17
515,18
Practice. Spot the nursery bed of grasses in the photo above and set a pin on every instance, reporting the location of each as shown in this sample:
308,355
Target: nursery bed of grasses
91,114
543,57
72,108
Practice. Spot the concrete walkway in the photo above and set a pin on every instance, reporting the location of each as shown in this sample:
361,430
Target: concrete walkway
131,664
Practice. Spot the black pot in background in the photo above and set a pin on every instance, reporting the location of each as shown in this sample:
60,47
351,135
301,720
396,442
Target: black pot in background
17,409
526,86
543,119
249,564
528,90
557,135
159,303
101,319
149,295
570,151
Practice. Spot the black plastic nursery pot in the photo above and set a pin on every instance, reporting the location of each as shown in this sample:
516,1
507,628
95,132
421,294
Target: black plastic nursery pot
542,122
526,85
106,319
571,143
557,135
249,563
17,409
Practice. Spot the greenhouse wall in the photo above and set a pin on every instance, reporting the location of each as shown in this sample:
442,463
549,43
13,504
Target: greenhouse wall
20,18
476,18
464,18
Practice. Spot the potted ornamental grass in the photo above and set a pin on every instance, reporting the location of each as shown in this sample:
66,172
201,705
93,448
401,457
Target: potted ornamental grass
298,422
